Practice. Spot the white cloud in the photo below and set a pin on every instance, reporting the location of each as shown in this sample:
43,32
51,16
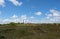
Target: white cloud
2,3
53,16
1,21
24,17
8,20
55,12
32,17
50,18
14,17
49,15
15,2
5,21
38,13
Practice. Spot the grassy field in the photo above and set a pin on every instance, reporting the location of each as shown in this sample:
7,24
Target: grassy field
29,31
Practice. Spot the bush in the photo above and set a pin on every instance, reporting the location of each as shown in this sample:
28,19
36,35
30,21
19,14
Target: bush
13,24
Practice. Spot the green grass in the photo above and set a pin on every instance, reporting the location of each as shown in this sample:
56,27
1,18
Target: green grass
29,31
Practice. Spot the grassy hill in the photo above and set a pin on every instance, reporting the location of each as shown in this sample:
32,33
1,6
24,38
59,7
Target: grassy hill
29,31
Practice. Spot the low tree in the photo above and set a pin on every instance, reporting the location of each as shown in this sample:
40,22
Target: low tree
0,24
12,24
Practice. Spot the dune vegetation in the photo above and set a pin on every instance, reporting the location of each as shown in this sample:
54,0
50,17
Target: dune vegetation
29,31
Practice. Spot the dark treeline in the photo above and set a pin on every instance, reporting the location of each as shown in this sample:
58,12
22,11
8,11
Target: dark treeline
29,24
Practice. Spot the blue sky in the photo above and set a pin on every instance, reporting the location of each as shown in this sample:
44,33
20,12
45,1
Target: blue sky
32,11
